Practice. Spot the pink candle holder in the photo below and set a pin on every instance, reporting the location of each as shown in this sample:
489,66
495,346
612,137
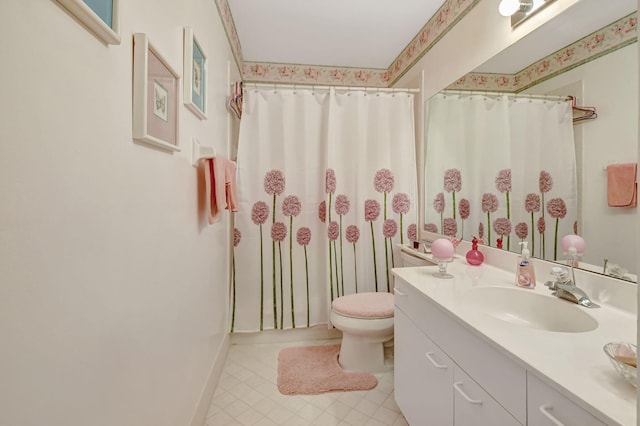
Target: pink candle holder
573,246
442,251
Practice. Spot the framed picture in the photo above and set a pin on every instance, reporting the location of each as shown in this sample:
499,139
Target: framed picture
195,75
155,96
99,16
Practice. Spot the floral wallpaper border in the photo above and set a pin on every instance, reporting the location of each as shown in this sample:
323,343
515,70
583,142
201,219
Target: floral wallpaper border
444,19
606,40
313,74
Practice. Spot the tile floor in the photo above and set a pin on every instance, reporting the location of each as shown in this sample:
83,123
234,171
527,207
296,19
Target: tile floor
247,394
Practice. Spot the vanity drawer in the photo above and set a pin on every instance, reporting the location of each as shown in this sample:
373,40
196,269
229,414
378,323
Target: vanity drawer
547,407
474,406
408,298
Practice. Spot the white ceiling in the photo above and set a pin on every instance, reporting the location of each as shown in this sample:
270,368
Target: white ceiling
371,34
357,33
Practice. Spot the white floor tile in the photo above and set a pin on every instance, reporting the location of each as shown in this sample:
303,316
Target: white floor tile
248,395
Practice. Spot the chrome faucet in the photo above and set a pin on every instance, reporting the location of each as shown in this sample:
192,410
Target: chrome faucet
565,288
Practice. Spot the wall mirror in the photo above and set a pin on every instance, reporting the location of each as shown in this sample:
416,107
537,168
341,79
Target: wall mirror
545,168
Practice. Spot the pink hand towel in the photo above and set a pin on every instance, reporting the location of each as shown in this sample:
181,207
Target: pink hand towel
622,186
220,183
214,176
230,186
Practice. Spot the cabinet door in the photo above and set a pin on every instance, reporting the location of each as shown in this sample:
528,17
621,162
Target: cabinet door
548,407
473,406
423,376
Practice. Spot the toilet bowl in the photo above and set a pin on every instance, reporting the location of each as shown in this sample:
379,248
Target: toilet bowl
366,322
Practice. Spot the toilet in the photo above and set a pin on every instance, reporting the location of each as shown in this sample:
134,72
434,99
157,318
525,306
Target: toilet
366,322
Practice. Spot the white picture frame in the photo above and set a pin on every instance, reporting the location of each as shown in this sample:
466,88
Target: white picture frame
195,75
156,93
105,27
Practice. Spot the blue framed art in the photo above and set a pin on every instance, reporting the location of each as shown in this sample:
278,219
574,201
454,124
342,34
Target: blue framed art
195,75
99,16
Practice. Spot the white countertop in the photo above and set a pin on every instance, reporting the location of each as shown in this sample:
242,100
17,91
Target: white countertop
573,363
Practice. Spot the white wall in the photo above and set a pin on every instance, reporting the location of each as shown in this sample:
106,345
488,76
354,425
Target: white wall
113,290
609,83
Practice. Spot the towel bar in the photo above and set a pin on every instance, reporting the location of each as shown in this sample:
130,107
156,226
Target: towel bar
199,152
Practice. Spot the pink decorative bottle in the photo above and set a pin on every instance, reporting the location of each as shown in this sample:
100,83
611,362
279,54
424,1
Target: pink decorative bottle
474,256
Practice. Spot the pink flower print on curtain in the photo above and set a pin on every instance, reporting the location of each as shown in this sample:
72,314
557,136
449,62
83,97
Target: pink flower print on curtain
503,185
532,205
481,232
237,236
371,213
322,212
522,231
453,184
464,209
342,208
278,234
330,188
259,215
450,228
333,232
274,183
401,205
438,206
303,237
291,207
389,230
575,227
412,232
353,235
557,209
545,184
383,182
541,225
489,205
502,226
431,227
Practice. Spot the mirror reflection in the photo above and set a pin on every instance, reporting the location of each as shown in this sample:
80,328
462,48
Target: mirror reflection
542,153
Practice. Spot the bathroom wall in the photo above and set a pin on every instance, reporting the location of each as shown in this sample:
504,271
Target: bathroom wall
480,35
113,289
610,83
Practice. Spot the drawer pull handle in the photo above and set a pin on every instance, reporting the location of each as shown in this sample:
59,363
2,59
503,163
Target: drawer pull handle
398,292
458,387
544,409
429,356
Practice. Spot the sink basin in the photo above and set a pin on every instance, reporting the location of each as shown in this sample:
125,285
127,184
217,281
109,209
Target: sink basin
525,308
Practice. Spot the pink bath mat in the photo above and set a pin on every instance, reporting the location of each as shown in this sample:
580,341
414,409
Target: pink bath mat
311,370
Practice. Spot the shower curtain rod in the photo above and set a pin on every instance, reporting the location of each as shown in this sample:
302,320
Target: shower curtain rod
510,95
324,87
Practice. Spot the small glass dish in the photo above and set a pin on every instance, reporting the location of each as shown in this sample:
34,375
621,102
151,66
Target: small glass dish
622,356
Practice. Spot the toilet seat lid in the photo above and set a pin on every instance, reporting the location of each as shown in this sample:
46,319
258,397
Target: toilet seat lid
364,305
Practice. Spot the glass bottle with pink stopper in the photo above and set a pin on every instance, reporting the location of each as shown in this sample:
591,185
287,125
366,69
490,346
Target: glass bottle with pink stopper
474,256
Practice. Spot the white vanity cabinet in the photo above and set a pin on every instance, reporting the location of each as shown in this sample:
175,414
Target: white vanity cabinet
434,360
447,374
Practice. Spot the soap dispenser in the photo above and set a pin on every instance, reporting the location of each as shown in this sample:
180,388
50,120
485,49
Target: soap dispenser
525,275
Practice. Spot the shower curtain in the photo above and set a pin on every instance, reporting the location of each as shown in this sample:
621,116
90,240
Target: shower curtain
501,169
327,188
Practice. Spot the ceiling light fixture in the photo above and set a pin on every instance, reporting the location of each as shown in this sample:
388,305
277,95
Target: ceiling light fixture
510,7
